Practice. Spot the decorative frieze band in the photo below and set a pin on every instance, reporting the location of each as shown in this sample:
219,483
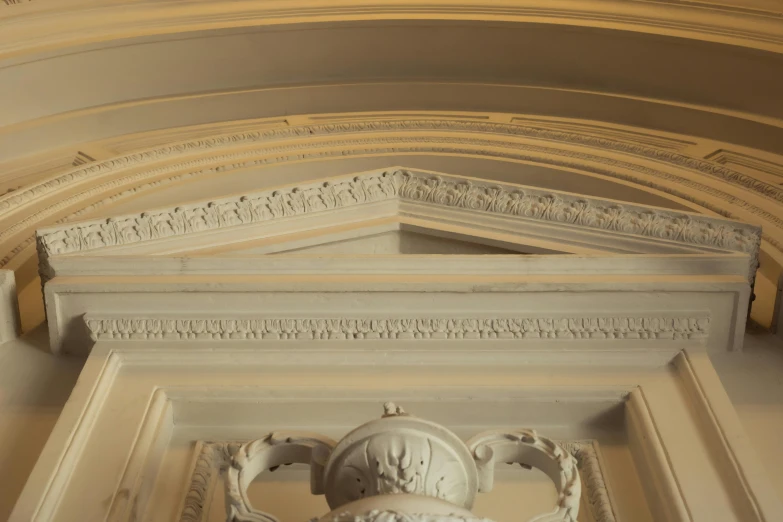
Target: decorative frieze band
454,192
646,327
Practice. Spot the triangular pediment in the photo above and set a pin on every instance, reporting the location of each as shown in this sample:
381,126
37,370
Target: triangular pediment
392,242
398,211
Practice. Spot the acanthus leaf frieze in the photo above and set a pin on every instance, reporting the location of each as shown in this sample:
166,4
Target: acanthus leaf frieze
502,199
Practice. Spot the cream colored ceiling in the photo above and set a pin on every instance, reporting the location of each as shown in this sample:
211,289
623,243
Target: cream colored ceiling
652,85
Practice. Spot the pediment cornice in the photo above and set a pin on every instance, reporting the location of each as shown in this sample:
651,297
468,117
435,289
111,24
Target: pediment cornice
520,204
639,163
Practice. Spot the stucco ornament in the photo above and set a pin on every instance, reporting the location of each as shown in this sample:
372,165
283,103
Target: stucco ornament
400,468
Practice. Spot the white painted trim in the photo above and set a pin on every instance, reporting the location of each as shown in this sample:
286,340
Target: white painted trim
480,205
596,265
40,496
655,466
9,307
735,456
645,166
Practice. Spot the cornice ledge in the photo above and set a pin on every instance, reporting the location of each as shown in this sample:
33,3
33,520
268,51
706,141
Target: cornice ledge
417,186
31,195
16,200
56,25
649,327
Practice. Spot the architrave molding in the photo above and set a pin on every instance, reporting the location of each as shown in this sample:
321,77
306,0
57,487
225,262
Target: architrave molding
616,265
659,421
55,25
646,300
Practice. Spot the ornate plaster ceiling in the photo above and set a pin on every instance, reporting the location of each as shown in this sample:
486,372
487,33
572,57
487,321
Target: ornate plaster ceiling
119,106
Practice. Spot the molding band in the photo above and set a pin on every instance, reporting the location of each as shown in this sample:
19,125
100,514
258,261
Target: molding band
18,199
446,191
174,329
710,168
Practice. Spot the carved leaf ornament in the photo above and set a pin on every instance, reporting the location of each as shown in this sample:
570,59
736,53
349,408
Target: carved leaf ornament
471,195
400,468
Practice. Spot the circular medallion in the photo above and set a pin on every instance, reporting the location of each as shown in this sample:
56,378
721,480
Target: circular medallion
400,454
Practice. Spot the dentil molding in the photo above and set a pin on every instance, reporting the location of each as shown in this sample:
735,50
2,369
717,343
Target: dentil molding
447,191
593,327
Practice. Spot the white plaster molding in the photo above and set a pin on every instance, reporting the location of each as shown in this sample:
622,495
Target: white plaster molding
395,516
766,170
440,191
715,264
594,484
10,202
402,464
714,408
9,307
528,448
584,301
659,328
115,389
213,458
657,473
547,155
91,22
399,454
622,169
276,449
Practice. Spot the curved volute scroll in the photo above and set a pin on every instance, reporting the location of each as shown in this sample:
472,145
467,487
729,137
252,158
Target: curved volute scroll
400,468
529,449
276,449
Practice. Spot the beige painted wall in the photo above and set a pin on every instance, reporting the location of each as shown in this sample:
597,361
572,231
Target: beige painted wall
34,386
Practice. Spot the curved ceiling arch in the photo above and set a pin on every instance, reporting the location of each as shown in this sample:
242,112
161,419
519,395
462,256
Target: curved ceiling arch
713,187
677,101
50,24
143,84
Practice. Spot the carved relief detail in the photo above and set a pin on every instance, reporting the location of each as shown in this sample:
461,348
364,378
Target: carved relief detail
393,516
551,155
395,462
215,457
635,327
598,500
274,450
522,447
456,193
709,168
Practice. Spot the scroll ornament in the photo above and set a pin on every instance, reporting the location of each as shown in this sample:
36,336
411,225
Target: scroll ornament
400,468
